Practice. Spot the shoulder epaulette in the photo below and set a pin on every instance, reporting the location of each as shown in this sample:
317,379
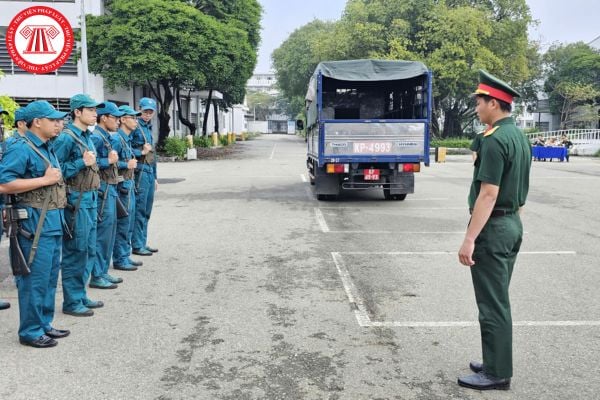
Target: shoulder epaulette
491,131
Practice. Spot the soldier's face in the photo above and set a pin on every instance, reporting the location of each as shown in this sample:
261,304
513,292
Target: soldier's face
147,115
21,127
483,110
47,128
87,115
129,122
112,123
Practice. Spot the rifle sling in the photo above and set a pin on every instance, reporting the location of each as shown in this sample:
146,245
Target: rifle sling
40,224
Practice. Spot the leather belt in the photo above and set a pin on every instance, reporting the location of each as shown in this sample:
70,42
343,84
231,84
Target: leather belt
497,213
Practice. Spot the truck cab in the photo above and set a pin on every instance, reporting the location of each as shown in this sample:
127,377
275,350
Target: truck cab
367,125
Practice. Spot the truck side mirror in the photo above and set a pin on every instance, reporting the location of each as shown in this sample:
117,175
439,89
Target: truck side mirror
299,124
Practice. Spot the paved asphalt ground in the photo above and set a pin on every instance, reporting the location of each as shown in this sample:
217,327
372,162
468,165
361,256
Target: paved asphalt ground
261,292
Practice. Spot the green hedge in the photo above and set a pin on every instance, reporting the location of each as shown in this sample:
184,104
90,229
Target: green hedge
176,147
202,141
452,143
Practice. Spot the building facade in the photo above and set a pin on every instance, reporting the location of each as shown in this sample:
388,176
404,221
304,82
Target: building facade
59,86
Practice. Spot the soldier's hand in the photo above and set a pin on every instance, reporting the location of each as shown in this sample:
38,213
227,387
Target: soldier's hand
52,176
113,157
147,148
132,164
465,254
89,158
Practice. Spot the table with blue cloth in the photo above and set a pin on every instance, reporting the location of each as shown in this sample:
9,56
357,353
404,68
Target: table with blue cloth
540,152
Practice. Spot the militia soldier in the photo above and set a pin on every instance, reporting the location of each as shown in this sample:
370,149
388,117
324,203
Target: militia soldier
31,169
20,125
107,121
493,238
127,164
76,152
145,177
3,304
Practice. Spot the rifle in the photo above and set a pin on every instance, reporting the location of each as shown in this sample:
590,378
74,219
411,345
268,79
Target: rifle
18,263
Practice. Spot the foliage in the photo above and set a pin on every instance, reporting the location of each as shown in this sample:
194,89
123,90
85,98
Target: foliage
202,141
296,59
167,46
573,76
455,38
452,143
223,140
10,106
175,147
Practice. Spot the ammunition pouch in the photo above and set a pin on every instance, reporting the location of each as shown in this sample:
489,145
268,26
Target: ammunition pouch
86,180
109,175
126,173
36,198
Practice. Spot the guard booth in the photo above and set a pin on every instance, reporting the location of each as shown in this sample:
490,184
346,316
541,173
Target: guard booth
278,124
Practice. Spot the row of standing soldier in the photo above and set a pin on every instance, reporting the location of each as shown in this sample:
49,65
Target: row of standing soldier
74,200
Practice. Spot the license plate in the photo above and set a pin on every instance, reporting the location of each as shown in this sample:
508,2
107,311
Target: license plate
371,174
372,147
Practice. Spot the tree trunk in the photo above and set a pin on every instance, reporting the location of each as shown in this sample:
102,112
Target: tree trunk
216,114
206,111
184,119
164,97
452,123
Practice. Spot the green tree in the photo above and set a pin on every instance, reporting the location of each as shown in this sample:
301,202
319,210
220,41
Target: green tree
230,78
296,59
453,38
572,79
167,46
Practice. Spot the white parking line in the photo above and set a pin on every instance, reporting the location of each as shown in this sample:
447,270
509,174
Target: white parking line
321,220
273,152
442,253
398,209
362,316
303,177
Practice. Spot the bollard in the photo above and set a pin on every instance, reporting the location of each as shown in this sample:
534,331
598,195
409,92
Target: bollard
243,136
190,141
440,154
215,139
229,138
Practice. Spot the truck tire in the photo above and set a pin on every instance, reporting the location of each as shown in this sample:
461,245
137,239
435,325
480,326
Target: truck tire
388,196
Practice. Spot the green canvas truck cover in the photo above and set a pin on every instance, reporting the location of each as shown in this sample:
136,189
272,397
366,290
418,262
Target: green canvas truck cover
361,70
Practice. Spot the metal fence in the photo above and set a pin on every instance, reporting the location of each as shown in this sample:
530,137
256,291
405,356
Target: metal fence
577,136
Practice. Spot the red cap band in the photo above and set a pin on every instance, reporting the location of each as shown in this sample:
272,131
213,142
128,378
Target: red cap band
493,92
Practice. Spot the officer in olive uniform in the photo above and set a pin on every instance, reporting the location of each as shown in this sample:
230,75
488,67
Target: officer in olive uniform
31,169
145,177
493,239
76,153
3,304
107,158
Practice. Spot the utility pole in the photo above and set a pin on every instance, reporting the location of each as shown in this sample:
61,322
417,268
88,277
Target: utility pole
84,58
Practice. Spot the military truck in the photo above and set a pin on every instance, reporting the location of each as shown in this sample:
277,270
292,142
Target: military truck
367,126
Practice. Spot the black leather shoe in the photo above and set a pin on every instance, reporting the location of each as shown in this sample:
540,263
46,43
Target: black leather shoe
86,312
40,343
142,252
4,305
152,249
136,263
58,333
476,366
483,381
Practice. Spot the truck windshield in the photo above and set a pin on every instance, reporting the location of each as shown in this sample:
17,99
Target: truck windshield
402,99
